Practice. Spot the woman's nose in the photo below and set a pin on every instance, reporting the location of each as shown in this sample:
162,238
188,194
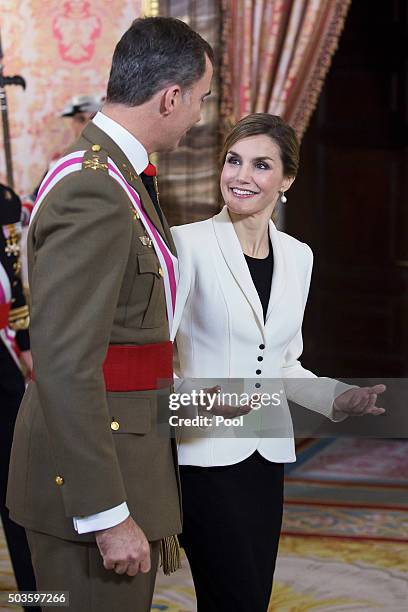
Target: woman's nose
244,174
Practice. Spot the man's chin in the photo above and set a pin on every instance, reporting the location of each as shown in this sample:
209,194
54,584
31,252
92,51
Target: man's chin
168,147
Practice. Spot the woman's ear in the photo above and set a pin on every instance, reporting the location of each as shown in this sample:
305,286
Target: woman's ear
287,182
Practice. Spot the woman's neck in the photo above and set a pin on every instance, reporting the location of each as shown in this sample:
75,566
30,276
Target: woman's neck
253,233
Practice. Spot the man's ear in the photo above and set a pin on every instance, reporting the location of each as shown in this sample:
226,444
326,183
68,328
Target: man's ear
170,99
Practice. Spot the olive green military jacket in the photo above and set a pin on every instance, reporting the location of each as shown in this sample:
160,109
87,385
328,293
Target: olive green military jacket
92,282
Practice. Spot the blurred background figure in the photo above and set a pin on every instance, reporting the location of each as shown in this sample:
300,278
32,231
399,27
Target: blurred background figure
81,109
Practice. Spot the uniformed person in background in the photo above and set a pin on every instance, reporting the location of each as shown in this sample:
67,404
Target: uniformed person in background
14,353
81,109
99,498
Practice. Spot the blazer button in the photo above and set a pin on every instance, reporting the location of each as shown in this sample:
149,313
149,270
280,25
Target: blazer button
115,425
262,346
260,358
259,371
161,272
59,481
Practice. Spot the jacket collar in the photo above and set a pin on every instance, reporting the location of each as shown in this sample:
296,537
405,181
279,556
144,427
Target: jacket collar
94,135
234,257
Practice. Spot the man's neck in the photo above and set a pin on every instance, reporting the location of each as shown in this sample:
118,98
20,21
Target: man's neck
136,120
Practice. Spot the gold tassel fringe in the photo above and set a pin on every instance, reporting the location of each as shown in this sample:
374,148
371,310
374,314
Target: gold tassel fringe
170,555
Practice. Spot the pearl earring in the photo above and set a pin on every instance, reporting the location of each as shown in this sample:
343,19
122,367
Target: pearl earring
283,198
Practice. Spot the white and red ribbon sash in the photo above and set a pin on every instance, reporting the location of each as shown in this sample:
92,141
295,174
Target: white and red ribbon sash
169,264
64,167
7,335
168,261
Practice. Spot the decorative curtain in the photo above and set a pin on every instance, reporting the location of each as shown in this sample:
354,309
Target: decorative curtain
61,48
188,177
276,54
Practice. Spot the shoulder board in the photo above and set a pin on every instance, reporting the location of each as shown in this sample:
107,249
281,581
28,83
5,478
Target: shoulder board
95,159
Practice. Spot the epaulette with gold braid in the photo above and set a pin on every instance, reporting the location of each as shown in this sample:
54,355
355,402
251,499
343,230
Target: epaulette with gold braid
19,318
95,159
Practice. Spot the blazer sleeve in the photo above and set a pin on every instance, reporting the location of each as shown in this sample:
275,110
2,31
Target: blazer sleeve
301,385
81,241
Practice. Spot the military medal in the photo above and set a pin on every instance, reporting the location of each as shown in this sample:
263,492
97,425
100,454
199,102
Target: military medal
146,241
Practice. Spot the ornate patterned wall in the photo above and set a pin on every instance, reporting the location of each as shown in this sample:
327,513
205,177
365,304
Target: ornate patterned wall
61,48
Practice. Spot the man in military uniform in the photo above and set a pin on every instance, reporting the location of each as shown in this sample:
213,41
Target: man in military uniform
91,479
14,349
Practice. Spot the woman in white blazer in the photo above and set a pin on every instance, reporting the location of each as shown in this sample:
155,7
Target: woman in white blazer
240,303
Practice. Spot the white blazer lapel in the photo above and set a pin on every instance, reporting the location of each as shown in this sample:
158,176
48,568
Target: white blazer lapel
234,257
279,277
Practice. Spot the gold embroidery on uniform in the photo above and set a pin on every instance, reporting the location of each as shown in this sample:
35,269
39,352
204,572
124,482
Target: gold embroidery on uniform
17,267
131,174
12,241
156,187
95,164
20,324
19,318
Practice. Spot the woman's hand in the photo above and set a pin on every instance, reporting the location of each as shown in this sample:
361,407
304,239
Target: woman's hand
226,410
358,402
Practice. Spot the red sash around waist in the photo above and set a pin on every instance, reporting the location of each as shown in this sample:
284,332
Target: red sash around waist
138,368
4,314
130,367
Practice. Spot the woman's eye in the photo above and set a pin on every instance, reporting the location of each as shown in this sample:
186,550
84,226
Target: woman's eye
232,160
262,165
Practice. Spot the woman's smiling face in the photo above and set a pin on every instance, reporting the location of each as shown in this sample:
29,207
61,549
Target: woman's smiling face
252,176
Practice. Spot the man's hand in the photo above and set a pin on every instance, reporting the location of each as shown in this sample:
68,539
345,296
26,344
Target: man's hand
357,402
124,548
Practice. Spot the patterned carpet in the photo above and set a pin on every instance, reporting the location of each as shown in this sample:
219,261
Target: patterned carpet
344,546
350,488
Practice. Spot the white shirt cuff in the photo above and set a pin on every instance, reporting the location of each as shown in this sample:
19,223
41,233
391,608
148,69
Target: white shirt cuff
101,520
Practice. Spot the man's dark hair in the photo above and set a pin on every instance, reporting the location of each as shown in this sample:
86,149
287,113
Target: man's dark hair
153,53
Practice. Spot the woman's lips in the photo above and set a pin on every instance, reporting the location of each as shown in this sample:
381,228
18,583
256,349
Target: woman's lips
242,194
